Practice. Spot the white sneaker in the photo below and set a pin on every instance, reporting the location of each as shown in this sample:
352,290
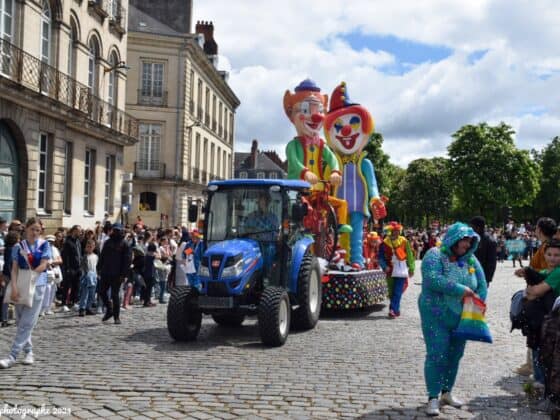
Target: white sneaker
8,362
76,307
49,312
449,399
432,409
65,309
28,359
41,314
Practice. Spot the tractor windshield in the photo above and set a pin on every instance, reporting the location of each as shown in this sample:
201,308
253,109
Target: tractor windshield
244,212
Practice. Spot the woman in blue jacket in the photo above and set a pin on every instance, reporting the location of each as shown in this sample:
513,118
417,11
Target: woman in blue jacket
449,274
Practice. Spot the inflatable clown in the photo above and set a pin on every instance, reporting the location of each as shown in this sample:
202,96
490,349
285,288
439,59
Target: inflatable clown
348,127
309,157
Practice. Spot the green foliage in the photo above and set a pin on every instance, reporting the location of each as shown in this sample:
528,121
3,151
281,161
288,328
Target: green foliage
548,199
488,171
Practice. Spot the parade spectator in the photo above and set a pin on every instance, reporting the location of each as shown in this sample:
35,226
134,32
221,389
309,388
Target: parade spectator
550,287
163,269
88,280
113,266
149,274
397,260
449,274
71,259
545,230
12,238
182,264
33,253
486,251
53,279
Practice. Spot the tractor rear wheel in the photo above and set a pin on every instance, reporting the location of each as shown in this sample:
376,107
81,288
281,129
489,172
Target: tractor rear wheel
306,316
274,316
183,316
228,320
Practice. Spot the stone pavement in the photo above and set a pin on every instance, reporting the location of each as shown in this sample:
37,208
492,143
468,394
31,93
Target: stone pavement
359,365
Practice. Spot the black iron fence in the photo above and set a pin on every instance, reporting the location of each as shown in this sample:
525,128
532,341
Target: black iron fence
36,75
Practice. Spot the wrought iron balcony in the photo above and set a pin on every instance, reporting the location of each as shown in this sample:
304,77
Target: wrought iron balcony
149,169
33,74
150,99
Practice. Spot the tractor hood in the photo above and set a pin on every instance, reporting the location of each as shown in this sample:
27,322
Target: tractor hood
234,247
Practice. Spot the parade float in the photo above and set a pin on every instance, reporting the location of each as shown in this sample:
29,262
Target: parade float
344,197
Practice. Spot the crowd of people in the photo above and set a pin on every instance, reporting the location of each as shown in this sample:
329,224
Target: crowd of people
106,269
90,271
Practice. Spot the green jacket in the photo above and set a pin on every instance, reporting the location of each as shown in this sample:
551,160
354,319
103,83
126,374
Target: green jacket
296,154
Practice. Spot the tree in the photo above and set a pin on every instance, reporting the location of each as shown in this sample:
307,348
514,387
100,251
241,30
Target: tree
385,171
548,199
427,190
488,172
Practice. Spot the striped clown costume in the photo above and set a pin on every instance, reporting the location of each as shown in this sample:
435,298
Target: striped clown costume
347,129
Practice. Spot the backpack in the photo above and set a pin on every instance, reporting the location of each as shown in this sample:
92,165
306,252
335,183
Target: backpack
516,311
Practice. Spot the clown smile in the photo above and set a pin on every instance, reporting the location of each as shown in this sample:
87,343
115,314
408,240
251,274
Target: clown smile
348,141
312,125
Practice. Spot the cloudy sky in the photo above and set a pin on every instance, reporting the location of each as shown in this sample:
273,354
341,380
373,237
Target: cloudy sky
422,68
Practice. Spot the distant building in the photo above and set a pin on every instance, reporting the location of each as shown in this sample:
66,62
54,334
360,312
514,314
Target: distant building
260,165
185,109
62,95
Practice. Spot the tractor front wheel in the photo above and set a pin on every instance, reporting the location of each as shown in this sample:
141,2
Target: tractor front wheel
274,316
309,292
183,316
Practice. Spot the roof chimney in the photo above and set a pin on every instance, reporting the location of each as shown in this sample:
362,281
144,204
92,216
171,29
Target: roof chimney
254,152
207,29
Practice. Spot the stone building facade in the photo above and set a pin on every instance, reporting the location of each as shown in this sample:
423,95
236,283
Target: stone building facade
185,110
62,124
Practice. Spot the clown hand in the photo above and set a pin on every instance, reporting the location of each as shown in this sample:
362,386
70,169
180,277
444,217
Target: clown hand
311,177
335,179
378,208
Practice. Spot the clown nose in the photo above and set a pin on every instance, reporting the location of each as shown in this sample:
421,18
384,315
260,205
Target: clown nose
346,130
317,118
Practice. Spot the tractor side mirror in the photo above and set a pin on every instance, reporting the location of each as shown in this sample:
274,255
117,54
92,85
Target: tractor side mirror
299,211
193,213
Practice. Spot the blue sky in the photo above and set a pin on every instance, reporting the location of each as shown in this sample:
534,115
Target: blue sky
423,69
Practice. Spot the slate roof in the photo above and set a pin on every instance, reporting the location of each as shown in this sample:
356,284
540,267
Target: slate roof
264,163
138,21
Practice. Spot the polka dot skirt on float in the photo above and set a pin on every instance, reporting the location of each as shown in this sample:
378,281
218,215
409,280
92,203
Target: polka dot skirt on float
354,290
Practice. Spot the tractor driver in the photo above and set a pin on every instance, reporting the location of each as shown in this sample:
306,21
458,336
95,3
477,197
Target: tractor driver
265,225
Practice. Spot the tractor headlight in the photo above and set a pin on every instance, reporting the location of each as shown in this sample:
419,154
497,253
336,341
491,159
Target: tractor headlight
234,270
203,271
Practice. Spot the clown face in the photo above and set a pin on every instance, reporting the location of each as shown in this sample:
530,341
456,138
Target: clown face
308,116
346,135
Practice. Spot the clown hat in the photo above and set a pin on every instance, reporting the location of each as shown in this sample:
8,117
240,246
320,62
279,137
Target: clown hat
307,85
391,226
340,98
340,104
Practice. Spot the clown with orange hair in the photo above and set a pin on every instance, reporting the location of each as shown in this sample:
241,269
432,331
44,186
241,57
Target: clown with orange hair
397,260
347,128
309,157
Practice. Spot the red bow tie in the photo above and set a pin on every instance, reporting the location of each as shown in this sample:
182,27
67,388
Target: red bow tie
311,141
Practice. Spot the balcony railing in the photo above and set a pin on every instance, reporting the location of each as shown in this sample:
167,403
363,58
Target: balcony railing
117,16
149,169
31,73
151,99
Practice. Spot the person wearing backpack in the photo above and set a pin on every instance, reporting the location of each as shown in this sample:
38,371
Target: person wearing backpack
540,299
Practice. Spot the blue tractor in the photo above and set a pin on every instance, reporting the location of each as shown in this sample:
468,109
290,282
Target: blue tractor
257,260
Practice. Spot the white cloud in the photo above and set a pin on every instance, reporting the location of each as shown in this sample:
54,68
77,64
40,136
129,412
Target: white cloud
271,46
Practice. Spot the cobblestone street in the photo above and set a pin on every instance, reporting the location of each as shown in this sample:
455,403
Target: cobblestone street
359,365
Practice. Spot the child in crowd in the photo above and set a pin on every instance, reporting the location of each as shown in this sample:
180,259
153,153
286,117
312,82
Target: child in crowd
88,280
54,277
149,273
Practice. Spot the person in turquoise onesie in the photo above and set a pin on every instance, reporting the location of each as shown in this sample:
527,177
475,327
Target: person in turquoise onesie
449,274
